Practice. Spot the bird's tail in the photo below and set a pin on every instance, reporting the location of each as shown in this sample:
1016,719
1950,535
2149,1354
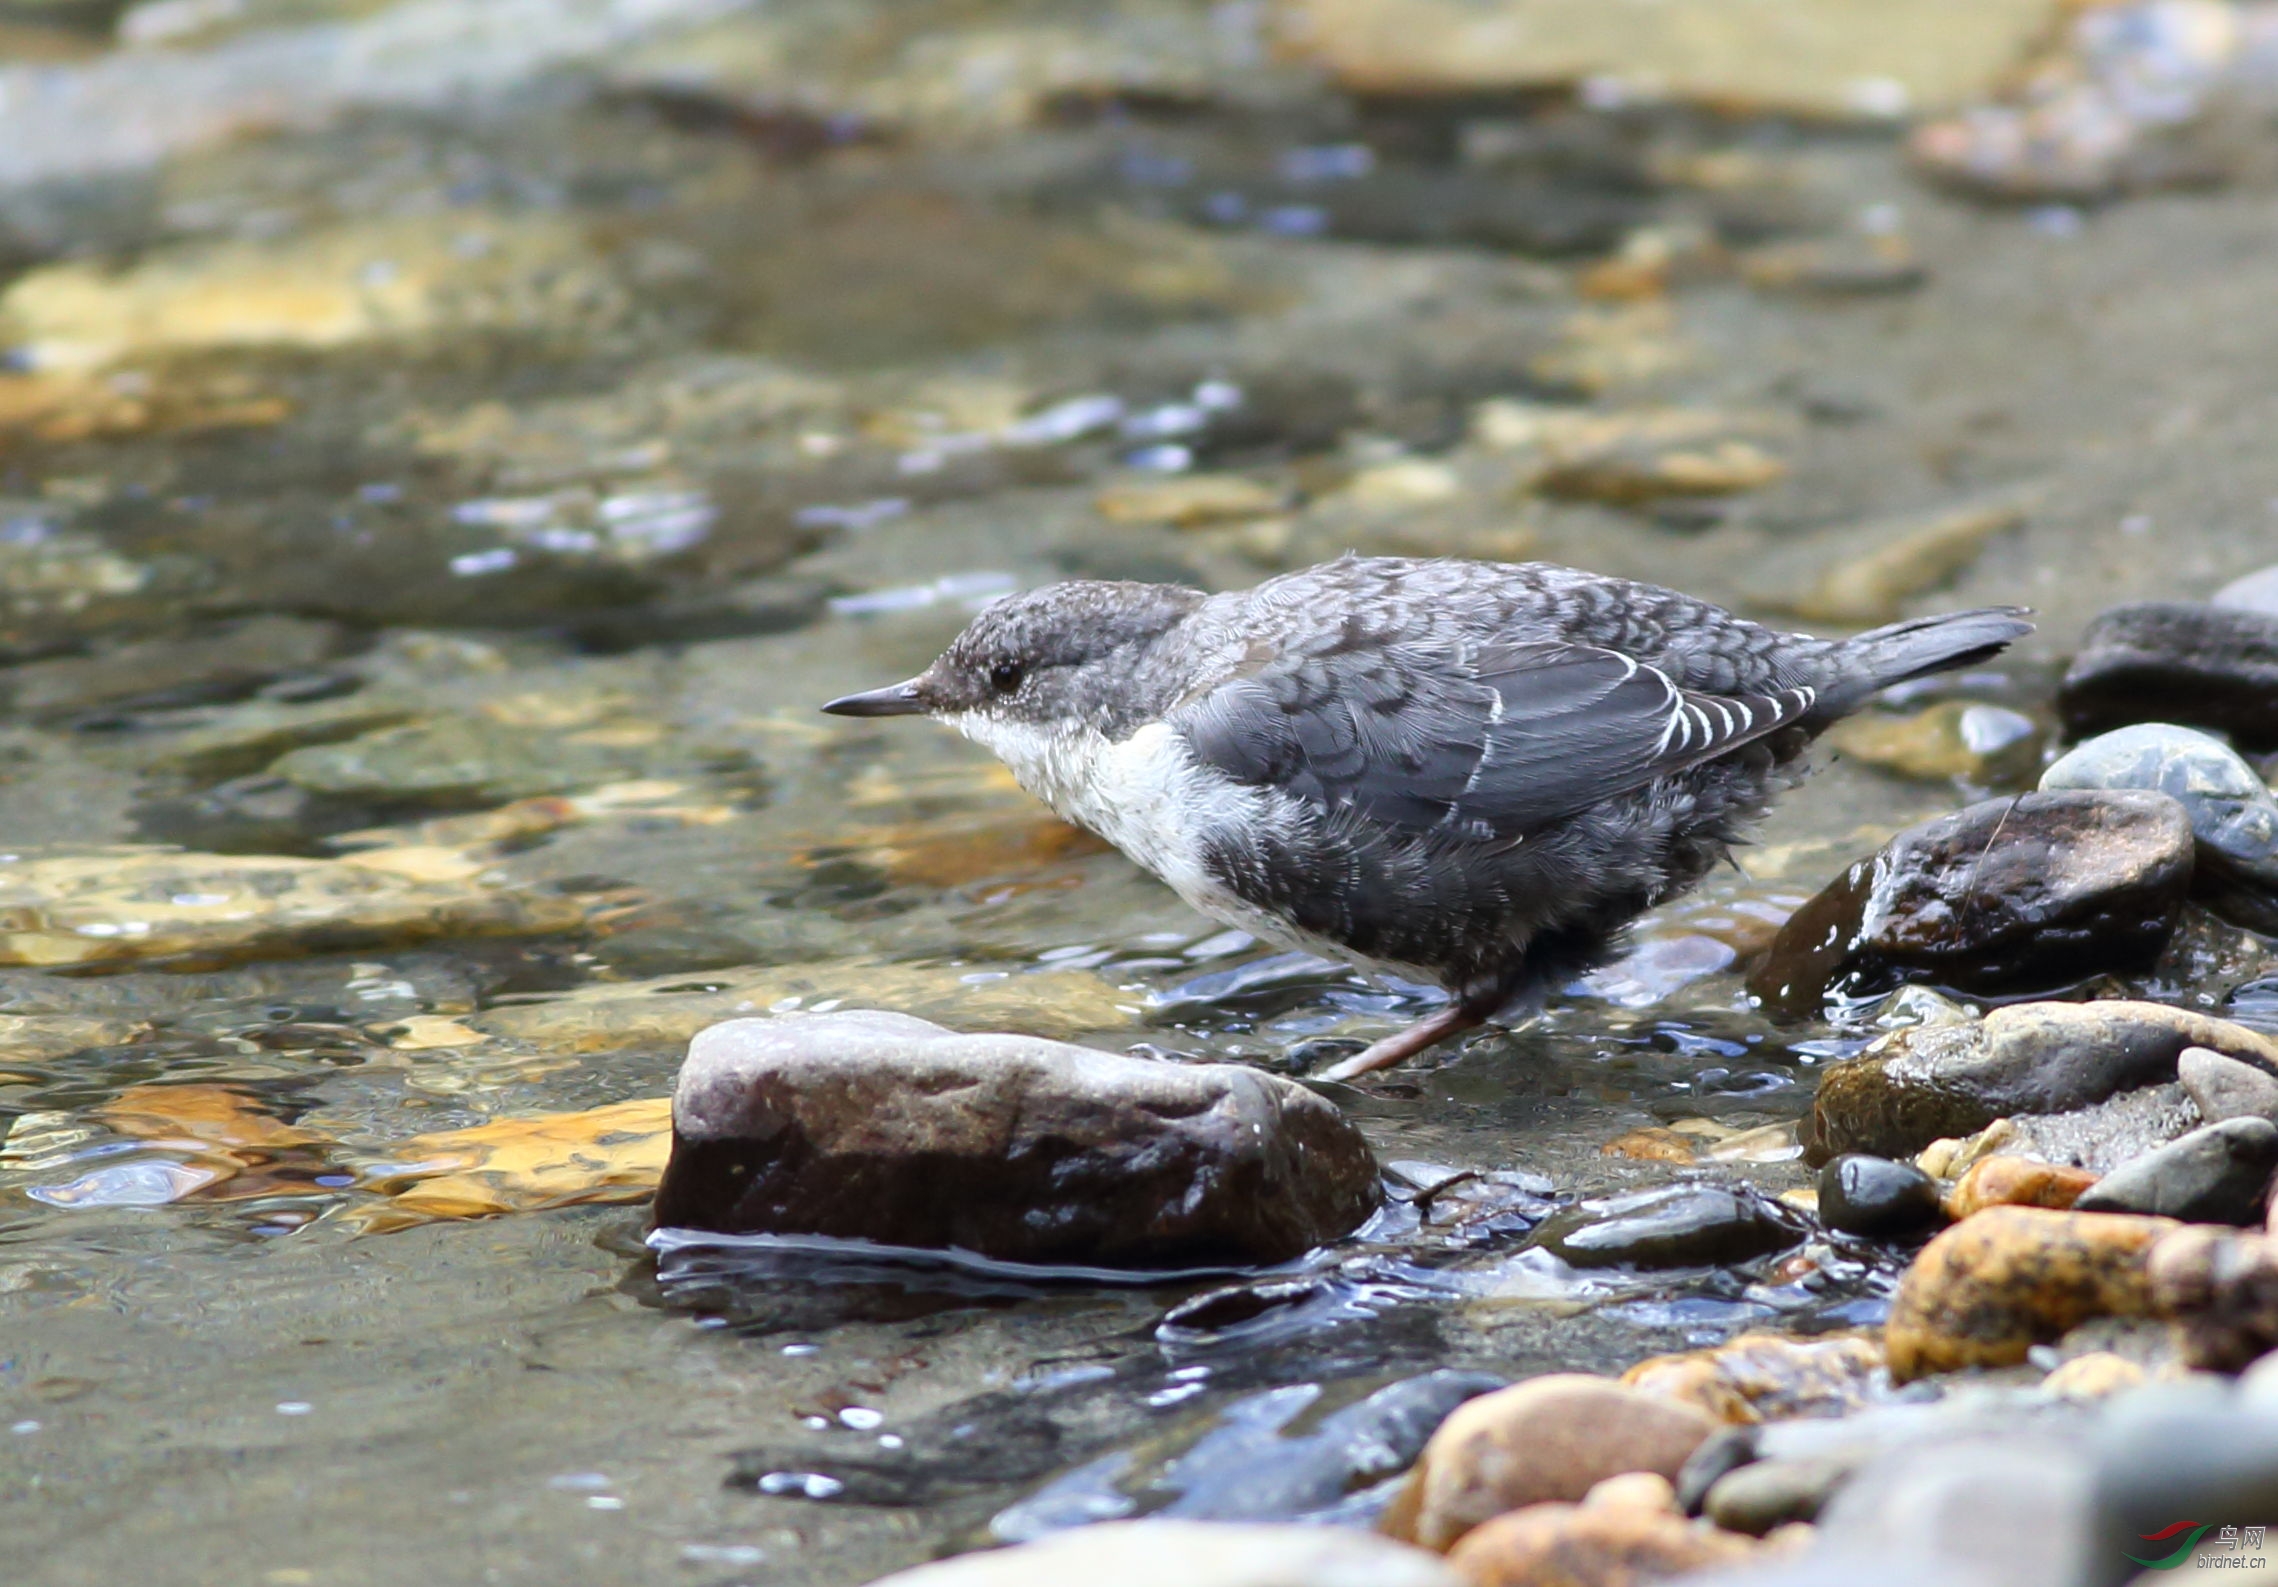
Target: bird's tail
1919,646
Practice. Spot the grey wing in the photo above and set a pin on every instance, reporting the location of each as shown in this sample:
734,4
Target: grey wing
1486,747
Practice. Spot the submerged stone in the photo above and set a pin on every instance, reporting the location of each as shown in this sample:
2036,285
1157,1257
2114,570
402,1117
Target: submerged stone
1925,1082
111,907
2219,1174
882,1127
2042,890
2167,661
1982,744
1671,1226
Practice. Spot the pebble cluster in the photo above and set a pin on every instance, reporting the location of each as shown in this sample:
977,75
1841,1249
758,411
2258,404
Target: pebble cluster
2083,1184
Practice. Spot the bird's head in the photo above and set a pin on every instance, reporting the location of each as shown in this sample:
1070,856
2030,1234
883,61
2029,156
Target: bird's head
1058,657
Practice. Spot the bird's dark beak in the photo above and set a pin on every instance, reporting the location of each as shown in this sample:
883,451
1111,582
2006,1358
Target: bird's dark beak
902,699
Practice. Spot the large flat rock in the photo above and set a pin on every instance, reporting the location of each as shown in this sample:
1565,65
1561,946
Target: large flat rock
876,1126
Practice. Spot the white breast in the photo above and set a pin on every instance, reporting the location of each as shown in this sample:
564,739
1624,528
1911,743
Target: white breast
1147,795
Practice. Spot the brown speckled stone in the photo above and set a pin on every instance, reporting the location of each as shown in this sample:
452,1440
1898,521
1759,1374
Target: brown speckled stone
1987,1290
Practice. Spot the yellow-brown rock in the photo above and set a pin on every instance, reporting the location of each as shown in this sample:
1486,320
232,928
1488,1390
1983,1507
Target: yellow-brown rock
1549,1440
2005,1181
2093,1376
1987,1290
2220,1286
1763,1377
1627,1530
1652,1145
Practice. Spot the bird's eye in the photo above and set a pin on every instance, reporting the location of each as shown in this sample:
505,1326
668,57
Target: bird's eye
1005,676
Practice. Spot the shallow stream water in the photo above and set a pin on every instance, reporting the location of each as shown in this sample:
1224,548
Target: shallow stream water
577,428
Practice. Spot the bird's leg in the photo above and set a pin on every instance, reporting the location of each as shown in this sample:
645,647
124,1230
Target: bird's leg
1453,1020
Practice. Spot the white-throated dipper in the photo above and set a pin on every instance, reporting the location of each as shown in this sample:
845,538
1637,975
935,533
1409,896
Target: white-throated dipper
1471,773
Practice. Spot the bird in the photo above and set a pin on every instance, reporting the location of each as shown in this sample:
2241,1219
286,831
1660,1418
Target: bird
1473,774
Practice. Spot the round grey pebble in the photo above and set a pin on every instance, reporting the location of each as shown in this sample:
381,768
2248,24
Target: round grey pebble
2224,1088
1756,1498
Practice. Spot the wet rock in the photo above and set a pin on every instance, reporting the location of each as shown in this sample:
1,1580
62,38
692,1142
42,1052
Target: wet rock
2219,1174
1671,1226
2003,1181
1546,1441
882,1127
1265,1457
1875,1196
2221,1288
1765,1494
1185,503
2041,890
2224,1088
1989,1289
1761,1377
113,907
1194,1553
1626,458
1826,58
2013,1506
1954,740
1915,1085
1627,1529
1866,573
2234,818
2157,661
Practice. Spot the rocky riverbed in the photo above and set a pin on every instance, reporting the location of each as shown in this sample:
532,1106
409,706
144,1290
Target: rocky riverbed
494,1087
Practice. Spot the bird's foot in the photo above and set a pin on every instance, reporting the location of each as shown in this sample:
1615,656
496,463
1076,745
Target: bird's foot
1452,1020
